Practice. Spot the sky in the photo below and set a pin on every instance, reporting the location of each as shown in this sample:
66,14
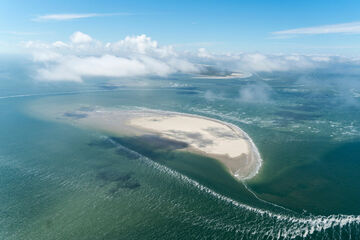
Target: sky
220,26
76,40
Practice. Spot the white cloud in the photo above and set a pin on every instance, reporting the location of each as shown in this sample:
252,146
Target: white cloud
74,68
353,27
257,62
204,54
133,56
212,96
79,37
71,16
85,57
59,44
256,93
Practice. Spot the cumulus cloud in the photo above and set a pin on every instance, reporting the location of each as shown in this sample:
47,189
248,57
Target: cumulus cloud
83,56
77,37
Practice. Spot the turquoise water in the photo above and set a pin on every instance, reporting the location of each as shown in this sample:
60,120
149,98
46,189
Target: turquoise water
58,181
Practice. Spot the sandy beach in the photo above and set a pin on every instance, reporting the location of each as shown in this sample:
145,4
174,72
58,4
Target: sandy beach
201,135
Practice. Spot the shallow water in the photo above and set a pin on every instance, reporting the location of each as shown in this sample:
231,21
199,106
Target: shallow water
58,181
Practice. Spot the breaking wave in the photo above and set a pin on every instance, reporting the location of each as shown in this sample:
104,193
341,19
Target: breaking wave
261,223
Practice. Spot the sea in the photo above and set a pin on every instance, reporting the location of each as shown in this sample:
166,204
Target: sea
60,181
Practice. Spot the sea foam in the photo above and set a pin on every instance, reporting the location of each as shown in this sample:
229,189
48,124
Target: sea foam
268,224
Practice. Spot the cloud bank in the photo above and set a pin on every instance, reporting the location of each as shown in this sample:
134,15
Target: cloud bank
83,56
257,62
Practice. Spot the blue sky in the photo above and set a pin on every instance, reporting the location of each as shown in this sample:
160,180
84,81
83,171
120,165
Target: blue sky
223,26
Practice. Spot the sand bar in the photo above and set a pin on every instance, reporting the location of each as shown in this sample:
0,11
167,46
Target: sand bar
201,135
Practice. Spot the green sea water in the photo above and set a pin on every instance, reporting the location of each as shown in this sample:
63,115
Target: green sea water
58,181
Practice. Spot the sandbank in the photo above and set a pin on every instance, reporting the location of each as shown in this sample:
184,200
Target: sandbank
201,135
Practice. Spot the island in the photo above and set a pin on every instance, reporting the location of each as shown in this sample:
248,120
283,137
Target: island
213,138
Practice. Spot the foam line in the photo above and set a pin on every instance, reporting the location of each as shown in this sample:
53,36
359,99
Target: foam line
264,201
51,94
77,92
294,226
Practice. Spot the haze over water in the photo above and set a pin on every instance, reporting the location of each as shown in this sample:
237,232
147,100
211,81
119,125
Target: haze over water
59,181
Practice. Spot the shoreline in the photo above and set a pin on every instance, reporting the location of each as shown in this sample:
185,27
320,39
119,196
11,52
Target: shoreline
224,142
254,150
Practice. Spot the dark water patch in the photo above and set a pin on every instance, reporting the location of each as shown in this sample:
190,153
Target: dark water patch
86,109
114,176
25,197
152,146
75,115
341,167
117,180
153,142
310,173
205,170
130,184
103,143
189,88
187,92
49,223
